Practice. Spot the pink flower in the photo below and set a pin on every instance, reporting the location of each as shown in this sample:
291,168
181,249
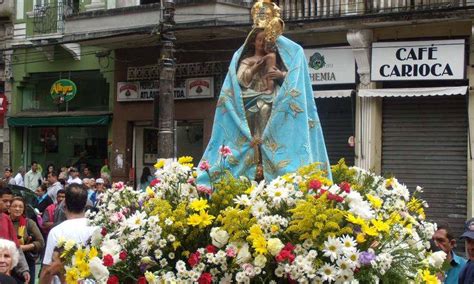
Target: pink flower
154,182
315,184
204,189
345,186
205,166
194,259
191,180
225,151
123,255
230,252
119,185
108,260
117,217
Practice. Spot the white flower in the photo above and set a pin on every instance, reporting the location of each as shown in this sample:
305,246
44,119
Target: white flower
219,237
171,255
436,259
332,248
348,243
327,272
137,220
259,208
274,246
112,247
243,200
98,270
260,261
279,271
168,222
243,254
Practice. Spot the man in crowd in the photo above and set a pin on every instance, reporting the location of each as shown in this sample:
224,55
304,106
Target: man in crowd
33,177
73,176
86,173
19,180
8,176
42,199
74,228
7,231
54,185
444,240
466,276
48,215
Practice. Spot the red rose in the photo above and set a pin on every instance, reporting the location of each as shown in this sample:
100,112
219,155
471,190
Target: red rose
194,259
279,258
103,232
211,249
289,247
345,186
205,278
154,182
123,255
141,280
113,280
108,260
315,184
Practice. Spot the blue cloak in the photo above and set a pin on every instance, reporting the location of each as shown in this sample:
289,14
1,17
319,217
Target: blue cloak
293,136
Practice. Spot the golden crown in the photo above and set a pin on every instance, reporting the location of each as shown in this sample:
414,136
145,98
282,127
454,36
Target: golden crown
266,15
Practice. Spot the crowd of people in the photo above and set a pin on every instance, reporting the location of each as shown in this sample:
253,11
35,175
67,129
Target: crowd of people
36,210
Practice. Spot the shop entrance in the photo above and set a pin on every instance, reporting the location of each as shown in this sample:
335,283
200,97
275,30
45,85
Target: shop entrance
188,137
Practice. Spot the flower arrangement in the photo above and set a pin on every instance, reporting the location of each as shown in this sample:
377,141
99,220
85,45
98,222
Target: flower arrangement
300,227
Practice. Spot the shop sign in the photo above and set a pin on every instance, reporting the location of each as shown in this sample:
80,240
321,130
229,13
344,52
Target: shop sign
143,91
418,60
63,90
197,88
331,65
3,104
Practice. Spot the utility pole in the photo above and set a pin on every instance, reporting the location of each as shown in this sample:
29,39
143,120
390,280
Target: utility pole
164,104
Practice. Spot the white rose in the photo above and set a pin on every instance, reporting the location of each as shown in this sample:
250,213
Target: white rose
112,247
260,261
436,259
219,237
274,246
243,255
98,270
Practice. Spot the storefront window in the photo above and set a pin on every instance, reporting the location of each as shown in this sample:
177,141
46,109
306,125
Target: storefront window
68,146
92,92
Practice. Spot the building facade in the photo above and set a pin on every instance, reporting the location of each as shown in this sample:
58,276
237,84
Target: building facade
391,81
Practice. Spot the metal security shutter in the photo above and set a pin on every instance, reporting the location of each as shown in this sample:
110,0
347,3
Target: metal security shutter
335,115
425,143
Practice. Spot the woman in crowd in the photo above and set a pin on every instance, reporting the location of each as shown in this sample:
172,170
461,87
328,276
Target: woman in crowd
8,258
145,179
29,236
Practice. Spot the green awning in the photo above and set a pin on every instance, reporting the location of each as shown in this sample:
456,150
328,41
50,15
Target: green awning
58,121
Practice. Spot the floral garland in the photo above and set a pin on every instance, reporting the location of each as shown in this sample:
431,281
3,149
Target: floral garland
300,227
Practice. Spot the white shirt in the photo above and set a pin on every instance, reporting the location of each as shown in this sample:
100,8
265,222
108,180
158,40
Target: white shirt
73,229
32,179
74,180
19,180
53,190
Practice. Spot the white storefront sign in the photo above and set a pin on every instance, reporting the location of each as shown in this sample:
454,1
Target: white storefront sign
143,91
200,88
418,60
332,65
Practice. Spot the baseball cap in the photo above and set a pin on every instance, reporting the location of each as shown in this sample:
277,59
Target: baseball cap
99,180
468,229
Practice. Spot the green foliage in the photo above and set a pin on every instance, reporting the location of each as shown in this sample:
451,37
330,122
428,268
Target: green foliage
225,190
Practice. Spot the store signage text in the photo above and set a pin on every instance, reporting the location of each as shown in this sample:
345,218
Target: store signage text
332,65
143,91
63,90
427,60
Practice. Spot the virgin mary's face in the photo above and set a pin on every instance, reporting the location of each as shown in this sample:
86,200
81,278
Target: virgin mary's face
260,41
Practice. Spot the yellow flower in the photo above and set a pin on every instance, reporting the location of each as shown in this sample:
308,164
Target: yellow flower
388,182
93,253
150,277
149,191
72,275
250,189
206,218
186,161
176,245
360,238
380,225
69,245
274,229
429,278
80,255
260,245
194,220
375,201
159,164
199,204
370,231
355,220
84,270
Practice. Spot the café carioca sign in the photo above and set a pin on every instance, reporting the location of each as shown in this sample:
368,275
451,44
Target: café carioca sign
63,90
418,60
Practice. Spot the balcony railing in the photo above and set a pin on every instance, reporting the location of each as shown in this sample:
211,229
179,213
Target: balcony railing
49,18
311,9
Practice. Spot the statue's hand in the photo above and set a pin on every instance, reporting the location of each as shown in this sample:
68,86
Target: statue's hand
276,74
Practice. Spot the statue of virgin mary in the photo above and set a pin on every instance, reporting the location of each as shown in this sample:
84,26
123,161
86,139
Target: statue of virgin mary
266,117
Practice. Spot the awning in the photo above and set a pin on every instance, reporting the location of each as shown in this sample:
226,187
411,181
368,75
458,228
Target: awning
59,121
413,92
332,94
